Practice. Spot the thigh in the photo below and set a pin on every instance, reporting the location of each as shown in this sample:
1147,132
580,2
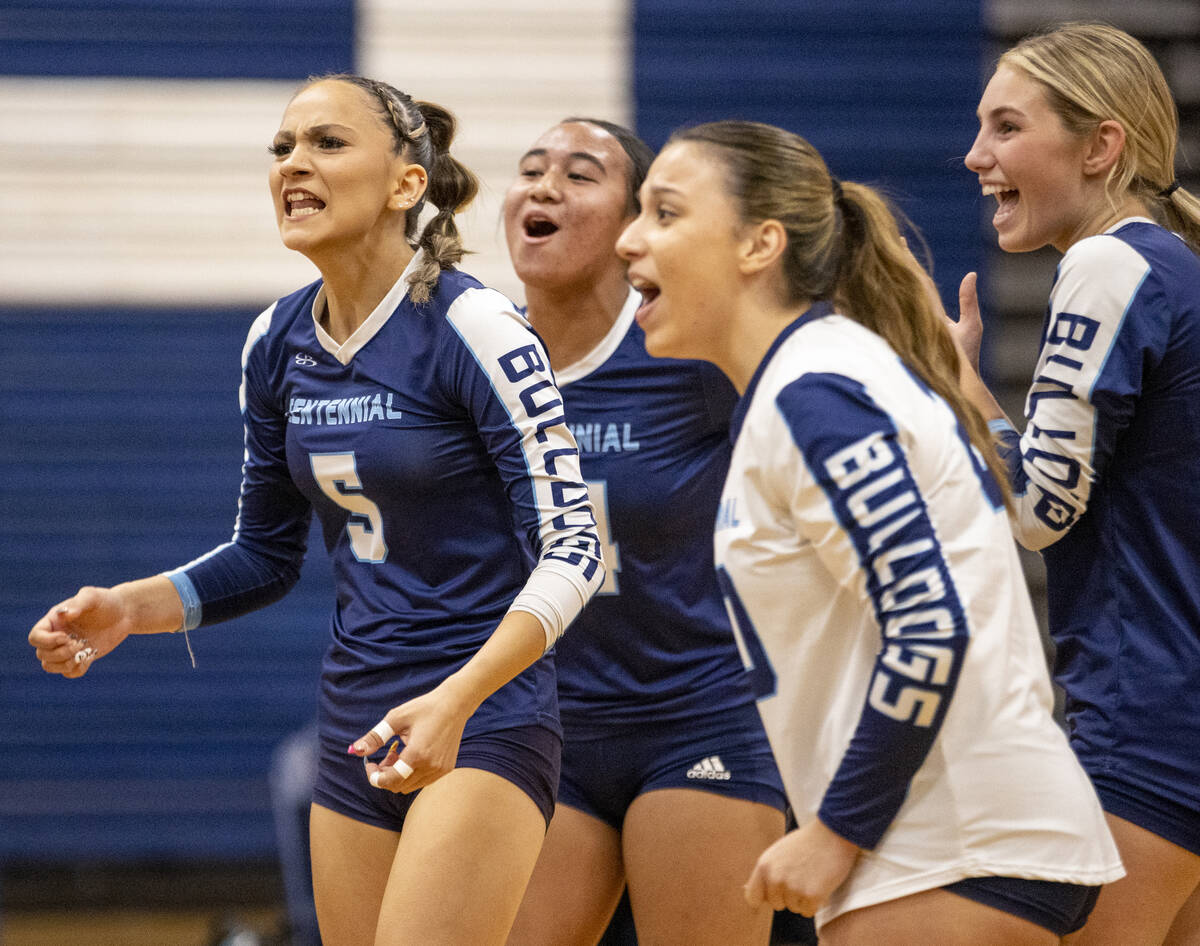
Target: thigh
933,917
468,847
688,854
575,886
1185,931
1138,909
351,862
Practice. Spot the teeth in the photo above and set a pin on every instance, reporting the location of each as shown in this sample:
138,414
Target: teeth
990,190
304,211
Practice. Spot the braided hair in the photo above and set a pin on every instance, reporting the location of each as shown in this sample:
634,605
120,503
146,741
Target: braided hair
423,132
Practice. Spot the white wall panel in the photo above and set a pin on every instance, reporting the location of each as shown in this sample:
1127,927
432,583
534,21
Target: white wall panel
130,191
508,71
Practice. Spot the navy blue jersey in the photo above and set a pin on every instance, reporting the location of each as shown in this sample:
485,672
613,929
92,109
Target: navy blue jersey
1107,483
433,449
653,439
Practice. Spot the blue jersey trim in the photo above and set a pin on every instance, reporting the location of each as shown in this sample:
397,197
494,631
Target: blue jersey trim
192,609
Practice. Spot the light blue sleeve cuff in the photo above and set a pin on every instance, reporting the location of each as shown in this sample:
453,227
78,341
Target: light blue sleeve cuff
191,601
1001,425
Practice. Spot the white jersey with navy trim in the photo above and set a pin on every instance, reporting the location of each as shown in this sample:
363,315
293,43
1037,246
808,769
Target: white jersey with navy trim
653,437
433,448
1107,483
883,616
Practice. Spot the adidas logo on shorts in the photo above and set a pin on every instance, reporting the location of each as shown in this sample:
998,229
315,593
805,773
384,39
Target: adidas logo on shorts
710,768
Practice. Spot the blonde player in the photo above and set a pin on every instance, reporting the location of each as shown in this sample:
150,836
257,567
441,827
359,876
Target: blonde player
1077,144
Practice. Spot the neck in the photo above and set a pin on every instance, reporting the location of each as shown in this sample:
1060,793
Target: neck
573,319
1104,217
355,284
755,326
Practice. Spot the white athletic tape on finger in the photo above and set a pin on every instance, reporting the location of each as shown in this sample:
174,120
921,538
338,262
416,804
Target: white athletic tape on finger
85,655
402,767
384,731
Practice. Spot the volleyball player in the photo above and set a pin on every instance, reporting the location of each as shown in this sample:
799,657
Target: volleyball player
414,410
863,548
1077,142
668,783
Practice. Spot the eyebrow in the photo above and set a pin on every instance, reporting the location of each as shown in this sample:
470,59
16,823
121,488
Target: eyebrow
316,131
581,155
1001,110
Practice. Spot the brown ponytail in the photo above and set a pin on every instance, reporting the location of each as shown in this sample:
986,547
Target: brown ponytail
881,286
451,188
423,131
843,244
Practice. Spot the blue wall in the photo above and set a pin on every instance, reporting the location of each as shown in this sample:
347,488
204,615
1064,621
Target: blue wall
885,89
121,458
178,39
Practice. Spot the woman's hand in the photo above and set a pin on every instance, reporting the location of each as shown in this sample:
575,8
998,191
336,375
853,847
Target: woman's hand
800,870
431,728
73,634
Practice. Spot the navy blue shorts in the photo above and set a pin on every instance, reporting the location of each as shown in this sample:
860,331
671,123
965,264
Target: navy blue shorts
1162,816
1060,908
527,756
605,767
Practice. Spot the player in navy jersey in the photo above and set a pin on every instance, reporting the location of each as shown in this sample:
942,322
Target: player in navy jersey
668,784
1077,142
865,556
415,412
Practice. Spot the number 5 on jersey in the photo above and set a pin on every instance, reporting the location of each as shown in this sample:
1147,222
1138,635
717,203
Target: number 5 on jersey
337,476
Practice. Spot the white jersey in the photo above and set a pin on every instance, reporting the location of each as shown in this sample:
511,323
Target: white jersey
882,614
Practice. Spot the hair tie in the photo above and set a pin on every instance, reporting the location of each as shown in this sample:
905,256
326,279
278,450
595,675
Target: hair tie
837,189
1167,191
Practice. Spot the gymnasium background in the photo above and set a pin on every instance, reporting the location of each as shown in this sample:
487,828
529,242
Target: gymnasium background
137,243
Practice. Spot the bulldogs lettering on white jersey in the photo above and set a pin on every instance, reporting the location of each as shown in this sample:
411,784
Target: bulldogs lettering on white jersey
883,617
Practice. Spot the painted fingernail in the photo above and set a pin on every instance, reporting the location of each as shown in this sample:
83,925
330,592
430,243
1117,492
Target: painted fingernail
353,750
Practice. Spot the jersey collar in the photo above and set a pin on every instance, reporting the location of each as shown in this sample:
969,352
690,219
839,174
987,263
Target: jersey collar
371,325
612,339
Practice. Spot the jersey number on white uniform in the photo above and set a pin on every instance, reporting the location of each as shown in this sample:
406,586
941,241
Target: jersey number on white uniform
754,656
338,478
610,552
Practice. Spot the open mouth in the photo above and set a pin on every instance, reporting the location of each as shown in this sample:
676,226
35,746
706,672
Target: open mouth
650,293
302,204
1007,199
539,227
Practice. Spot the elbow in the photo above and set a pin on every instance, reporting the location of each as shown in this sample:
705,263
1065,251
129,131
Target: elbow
1033,534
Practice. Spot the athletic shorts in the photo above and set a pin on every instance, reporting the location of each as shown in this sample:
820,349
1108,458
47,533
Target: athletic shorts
1060,908
1165,817
604,768
527,756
